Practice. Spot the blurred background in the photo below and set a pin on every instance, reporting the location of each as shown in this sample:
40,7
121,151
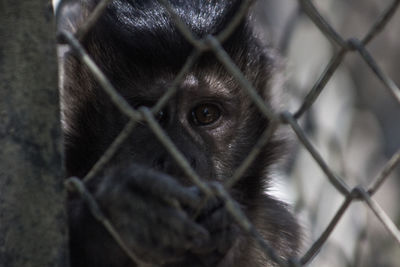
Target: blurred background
354,124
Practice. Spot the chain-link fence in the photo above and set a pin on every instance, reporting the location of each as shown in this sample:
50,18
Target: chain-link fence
213,43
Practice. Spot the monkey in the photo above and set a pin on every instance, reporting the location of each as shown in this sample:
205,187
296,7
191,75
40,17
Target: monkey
157,210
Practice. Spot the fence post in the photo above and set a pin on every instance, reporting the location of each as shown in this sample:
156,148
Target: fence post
33,229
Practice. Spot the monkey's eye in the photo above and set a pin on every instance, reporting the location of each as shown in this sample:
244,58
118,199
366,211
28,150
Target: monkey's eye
205,114
161,116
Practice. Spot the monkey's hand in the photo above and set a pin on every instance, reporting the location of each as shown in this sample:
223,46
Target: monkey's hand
149,211
215,218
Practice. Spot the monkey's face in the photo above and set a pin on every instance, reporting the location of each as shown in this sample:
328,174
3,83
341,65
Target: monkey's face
211,119
208,119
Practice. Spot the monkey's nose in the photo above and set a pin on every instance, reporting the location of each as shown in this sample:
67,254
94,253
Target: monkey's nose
169,166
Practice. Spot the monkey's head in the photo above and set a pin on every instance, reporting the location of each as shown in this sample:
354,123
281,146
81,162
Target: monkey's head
210,118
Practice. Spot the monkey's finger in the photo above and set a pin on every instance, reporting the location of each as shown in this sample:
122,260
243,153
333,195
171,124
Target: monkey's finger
185,231
220,241
160,185
223,231
185,196
216,218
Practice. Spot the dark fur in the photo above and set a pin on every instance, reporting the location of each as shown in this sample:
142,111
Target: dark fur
141,51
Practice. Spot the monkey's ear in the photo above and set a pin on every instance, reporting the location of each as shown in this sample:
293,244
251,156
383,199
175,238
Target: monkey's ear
71,14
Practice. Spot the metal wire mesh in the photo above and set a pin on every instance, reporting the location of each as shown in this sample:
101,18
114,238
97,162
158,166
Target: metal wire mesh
213,43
